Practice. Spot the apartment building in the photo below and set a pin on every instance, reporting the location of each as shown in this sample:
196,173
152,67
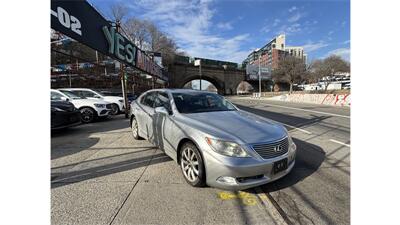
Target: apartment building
274,51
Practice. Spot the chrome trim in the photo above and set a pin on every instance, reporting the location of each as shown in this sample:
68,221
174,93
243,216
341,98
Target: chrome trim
269,154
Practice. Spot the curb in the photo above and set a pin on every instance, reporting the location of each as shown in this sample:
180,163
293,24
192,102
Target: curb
269,206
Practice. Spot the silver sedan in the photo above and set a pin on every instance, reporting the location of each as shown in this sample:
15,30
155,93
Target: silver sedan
214,142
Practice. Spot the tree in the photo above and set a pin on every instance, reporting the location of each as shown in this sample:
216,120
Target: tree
211,88
290,70
244,87
119,11
148,37
145,34
137,31
325,69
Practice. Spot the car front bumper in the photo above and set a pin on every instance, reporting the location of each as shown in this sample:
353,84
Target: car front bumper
243,173
101,112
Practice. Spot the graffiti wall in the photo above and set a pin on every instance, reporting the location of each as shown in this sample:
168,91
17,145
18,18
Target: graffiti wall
324,99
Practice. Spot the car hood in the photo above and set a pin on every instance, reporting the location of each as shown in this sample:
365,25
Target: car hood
246,127
64,105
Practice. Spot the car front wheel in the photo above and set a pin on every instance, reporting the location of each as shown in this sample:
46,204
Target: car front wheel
135,129
192,165
87,115
114,109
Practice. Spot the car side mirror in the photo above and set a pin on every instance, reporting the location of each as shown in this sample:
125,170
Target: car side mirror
97,96
161,110
65,99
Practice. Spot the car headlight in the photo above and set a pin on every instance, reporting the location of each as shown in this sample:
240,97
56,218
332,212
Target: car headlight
292,145
121,100
227,148
100,105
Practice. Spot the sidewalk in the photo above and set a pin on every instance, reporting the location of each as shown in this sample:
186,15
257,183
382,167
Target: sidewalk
100,175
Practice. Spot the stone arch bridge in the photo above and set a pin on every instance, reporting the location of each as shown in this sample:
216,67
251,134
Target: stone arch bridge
225,80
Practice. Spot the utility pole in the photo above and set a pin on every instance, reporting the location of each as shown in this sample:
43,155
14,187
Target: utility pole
200,73
259,75
122,75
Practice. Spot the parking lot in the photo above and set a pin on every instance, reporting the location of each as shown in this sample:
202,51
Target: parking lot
101,175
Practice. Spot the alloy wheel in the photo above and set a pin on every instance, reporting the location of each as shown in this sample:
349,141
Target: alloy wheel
87,115
134,128
114,109
190,164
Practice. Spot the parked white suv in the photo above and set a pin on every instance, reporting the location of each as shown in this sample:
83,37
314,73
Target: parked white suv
89,108
117,103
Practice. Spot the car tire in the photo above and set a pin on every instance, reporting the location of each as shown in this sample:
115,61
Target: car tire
87,114
192,166
114,109
135,129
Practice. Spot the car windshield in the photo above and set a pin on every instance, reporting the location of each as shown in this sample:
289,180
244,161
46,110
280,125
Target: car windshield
98,93
70,94
201,102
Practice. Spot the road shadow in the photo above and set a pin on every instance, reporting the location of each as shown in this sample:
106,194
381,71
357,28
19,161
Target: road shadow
75,139
107,169
309,158
284,118
100,125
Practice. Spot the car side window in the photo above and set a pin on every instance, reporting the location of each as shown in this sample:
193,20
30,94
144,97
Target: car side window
162,100
148,99
142,99
78,93
56,96
87,94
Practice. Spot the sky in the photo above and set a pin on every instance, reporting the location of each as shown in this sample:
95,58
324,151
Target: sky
230,29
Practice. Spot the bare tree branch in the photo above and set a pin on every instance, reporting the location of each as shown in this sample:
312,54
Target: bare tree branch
290,70
324,70
119,11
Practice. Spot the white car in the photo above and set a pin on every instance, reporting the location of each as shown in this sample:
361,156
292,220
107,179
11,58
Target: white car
89,108
117,103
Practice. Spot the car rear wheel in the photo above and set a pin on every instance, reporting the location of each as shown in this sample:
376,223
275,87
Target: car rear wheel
114,109
192,165
87,115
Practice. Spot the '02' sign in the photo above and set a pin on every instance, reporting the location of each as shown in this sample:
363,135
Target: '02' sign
68,21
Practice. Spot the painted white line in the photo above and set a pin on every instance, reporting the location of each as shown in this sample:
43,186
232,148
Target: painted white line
296,128
339,142
276,216
307,110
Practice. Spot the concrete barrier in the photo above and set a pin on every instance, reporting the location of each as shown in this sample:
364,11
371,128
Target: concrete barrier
324,99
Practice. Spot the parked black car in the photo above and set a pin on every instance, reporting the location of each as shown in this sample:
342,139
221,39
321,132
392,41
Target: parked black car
63,115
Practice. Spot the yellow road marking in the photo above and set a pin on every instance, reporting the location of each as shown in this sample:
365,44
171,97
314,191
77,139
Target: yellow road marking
247,198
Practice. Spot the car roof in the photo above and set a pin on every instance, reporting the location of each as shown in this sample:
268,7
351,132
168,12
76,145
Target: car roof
74,89
180,90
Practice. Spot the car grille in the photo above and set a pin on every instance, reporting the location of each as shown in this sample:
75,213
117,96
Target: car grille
108,106
272,149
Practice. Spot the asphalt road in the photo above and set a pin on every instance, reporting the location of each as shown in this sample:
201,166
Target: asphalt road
317,191
100,175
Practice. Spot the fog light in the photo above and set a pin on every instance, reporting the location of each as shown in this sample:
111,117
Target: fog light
227,180
293,147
